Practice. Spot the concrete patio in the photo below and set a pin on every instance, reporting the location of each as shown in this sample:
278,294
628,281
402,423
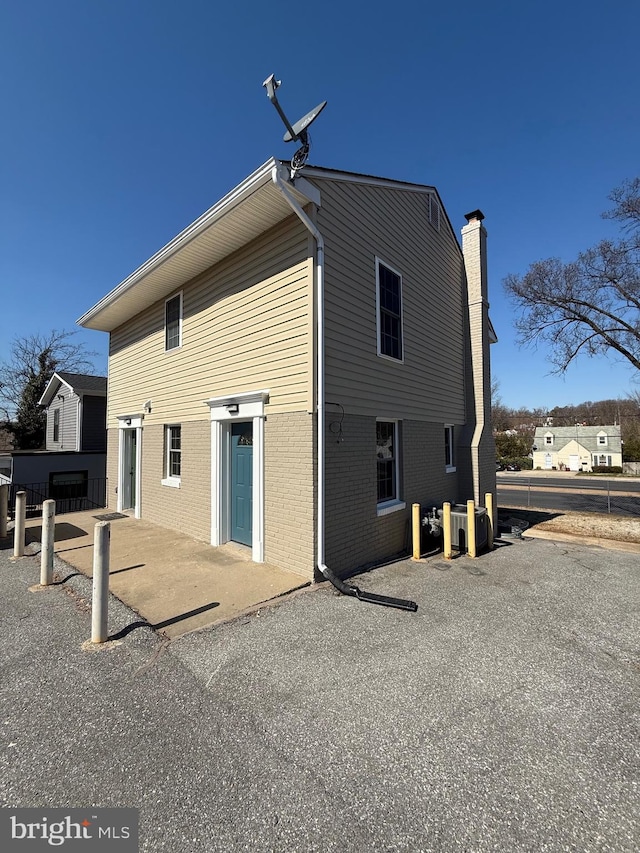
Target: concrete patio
175,583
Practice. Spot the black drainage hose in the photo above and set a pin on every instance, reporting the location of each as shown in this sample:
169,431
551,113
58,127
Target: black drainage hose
368,597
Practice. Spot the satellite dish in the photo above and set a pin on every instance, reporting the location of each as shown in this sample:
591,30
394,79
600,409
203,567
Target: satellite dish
298,131
301,126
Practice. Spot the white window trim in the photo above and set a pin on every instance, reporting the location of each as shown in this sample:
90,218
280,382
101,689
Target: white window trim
451,469
602,439
390,506
169,299
395,504
169,480
125,422
378,327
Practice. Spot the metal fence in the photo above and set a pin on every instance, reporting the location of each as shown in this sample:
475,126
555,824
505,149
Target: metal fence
593,495
70,496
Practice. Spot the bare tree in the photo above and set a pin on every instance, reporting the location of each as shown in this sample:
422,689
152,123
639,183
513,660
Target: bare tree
591,305
24,376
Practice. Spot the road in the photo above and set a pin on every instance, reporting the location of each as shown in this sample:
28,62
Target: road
571,494
499,717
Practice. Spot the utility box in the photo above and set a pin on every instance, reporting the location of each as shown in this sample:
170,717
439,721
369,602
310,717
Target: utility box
459,527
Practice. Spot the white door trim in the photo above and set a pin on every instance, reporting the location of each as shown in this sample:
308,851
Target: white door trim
126,422
225,411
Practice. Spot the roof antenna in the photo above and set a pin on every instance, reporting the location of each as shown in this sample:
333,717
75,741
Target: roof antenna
296,132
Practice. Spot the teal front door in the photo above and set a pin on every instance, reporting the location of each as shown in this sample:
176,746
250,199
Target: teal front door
241,482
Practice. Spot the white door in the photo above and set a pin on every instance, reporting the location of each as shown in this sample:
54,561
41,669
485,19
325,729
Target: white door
574,462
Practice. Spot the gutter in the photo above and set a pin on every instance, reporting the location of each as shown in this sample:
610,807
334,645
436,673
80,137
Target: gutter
281,182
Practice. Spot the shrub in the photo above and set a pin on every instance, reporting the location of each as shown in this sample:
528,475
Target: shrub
607,469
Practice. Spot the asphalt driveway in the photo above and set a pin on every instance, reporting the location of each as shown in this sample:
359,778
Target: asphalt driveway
503,715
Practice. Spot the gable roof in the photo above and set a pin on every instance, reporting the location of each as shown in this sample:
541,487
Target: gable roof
587,436
79,383
247,211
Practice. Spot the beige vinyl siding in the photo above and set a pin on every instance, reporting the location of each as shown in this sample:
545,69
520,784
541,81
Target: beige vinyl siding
358,223
246,327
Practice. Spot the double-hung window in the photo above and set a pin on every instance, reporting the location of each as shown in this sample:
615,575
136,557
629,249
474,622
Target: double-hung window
172,455
173,322
449,457
388,466
389,310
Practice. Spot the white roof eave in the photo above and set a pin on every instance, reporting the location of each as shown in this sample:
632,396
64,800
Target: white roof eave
250,209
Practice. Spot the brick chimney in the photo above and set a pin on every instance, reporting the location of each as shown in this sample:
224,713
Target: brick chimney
482,445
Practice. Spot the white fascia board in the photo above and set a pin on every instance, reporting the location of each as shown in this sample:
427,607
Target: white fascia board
231,200
49,391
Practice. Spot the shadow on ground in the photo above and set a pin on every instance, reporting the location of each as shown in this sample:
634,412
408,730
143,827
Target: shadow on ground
508,518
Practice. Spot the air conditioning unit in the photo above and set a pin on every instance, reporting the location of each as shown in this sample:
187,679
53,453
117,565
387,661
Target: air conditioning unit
459,527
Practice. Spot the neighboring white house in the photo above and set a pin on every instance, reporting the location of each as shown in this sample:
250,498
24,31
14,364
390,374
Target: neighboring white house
576,448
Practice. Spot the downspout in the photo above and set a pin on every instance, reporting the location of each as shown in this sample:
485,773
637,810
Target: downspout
79,415
337,582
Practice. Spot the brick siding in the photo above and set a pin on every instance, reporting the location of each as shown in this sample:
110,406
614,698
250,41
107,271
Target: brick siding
290,520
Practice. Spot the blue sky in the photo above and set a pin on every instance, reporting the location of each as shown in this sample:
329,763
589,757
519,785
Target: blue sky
124,121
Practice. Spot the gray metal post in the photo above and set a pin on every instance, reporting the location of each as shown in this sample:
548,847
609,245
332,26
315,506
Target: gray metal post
100,601
609,496
48,536
4,509
18,530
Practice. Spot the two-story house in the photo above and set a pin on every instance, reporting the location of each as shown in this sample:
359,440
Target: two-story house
334,299
577,448
71,469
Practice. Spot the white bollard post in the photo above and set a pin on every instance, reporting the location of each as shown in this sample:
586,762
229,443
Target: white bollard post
488,502
100,600
4,509
18,530
48,536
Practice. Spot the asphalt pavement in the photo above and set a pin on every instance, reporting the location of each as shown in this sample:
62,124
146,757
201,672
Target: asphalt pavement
502,716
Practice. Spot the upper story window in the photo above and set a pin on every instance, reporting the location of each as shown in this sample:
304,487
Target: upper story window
548,438
173,322
56,424
449,458
389,308
602,439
